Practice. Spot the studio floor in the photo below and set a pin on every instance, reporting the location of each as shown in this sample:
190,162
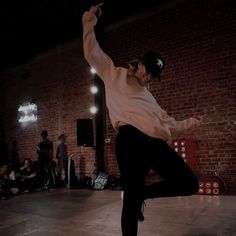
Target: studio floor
85,212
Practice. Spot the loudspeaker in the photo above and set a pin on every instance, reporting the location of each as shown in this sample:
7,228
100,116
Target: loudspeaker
85,133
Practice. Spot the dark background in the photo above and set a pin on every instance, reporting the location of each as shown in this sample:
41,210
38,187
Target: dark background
29,27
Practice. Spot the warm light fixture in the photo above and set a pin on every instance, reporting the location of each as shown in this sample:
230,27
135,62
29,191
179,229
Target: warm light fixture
93,109
93,70
93,89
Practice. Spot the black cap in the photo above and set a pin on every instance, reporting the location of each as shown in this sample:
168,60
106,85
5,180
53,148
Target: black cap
153,62
62,137
44,132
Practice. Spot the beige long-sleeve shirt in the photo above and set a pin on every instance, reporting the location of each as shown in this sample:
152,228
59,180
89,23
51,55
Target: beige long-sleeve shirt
128,102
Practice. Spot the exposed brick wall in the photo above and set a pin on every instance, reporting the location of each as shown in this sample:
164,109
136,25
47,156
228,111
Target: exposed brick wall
197,40
58,82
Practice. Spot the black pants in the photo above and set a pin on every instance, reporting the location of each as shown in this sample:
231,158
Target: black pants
136,154
46,174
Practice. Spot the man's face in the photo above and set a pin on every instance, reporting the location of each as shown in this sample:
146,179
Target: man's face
44,135
27,163
3,169
142,76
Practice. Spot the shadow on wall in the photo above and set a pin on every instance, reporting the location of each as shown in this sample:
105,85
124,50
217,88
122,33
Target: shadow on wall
14,158
4,154
10,155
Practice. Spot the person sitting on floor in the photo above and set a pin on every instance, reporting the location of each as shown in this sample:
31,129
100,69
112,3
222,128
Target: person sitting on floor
8,186
27,176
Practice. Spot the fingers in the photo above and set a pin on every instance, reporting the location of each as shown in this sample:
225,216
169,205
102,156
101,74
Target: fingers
100,4
200,118
96,10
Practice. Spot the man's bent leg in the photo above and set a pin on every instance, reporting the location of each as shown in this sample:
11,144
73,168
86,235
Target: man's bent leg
179,180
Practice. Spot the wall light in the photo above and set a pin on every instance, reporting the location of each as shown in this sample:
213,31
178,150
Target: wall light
93,70
93,109
93,89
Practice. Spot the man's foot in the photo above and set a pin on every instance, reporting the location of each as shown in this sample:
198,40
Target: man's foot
140,214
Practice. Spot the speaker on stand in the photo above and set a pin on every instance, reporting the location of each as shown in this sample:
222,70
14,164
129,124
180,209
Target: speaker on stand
85,133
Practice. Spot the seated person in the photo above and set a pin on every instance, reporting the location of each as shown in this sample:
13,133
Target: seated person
27,176
8,186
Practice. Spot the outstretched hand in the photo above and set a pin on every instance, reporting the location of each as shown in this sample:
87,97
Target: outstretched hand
96,10
199,118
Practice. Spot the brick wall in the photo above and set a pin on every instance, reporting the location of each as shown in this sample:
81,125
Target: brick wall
197,40
58,82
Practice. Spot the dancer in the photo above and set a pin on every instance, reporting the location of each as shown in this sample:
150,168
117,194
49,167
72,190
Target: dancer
143,127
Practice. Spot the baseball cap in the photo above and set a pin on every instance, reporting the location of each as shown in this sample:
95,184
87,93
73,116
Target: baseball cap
62,137
153,62
44,132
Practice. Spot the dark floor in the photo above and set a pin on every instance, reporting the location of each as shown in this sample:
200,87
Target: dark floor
66,212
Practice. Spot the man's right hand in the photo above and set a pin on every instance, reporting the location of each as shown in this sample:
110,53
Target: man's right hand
96,10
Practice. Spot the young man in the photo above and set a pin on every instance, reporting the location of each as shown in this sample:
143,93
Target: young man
143,128
45,157
62,158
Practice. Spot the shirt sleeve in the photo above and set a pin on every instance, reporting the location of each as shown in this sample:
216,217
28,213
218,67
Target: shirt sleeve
93,54
178,126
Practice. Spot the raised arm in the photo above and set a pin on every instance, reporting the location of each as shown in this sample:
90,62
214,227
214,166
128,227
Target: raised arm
93,54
